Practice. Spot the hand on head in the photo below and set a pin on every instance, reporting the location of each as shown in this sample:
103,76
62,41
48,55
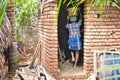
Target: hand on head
67,17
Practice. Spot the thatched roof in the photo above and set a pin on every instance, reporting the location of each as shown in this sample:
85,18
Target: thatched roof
5,34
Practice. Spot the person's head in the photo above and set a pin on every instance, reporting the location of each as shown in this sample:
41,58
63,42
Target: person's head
73,19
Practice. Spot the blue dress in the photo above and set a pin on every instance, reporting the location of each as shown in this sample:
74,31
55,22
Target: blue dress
74,35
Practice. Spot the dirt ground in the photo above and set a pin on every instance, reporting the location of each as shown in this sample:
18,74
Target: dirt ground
67,69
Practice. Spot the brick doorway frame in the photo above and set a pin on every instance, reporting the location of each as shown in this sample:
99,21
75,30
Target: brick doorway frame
96,37
48,33
63,33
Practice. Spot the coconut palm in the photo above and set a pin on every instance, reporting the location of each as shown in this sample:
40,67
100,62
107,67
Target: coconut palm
5,33
12,18
5,39
3,4
5,29
13,55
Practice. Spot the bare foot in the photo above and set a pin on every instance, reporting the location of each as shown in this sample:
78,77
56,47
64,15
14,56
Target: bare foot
75,66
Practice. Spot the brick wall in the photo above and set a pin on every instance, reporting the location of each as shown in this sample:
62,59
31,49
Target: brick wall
48,37
97,36
100,35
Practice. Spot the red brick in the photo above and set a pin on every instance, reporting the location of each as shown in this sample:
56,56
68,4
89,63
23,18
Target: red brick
98,35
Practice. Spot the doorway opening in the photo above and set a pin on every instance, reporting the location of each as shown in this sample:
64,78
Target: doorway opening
65,65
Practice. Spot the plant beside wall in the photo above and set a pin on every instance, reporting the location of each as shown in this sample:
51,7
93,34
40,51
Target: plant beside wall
93,3
3,5
25,12
23,8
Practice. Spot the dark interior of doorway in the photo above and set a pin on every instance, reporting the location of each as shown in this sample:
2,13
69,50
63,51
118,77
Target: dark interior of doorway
63,35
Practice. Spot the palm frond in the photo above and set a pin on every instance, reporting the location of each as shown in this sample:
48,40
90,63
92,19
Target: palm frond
59,5
3,5
64,1
99,3
26,10
116,3
77,4
5,33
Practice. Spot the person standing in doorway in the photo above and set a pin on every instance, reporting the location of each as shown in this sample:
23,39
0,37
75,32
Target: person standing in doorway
74,40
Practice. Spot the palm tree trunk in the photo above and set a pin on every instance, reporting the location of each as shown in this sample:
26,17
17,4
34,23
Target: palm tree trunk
13,55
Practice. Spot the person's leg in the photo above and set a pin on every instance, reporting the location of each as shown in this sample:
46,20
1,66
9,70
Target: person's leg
73,57
76,58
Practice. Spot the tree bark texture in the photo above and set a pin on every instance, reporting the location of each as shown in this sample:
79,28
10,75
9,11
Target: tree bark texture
13,53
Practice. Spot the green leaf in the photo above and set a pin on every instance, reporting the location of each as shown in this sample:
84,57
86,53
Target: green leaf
26,10
59,5
64,1
116,2
108,67
110,77
101,8
3,5
90,5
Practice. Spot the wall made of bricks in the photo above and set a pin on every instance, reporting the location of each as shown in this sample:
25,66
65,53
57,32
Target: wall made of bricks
100,34
48,37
